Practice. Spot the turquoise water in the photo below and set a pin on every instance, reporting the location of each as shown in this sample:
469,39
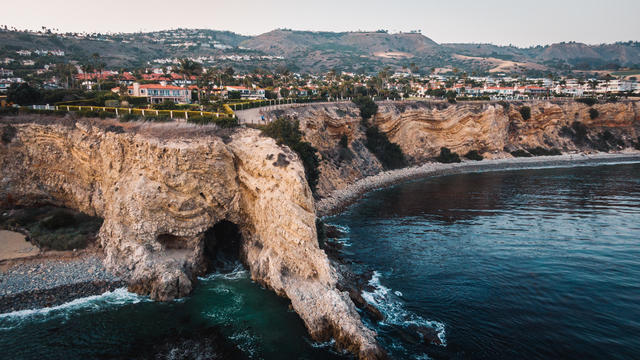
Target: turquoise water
538,264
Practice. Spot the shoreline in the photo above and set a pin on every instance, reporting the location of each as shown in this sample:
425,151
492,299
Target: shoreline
53,279
340,199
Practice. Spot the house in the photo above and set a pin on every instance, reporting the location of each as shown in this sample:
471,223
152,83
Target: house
5,72
28,62
159,93
247,93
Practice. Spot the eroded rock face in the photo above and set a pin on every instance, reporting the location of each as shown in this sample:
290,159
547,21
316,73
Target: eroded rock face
422,128
158,194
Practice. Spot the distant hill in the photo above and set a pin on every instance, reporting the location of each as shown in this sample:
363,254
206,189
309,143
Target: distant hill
310,51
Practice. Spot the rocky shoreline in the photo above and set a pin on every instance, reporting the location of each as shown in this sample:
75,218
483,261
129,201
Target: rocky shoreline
51,281
342,198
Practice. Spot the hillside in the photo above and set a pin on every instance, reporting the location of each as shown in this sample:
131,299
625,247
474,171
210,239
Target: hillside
307,51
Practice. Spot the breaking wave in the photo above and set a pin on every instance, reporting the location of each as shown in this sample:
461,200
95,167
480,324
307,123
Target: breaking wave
391,306
106,300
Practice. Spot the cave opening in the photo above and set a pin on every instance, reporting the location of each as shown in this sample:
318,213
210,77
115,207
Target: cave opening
222,247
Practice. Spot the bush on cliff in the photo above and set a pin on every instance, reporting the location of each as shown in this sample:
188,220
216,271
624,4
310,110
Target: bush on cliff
389,154
540,151
473,155
593,113
447,157
521,153
589,101
525,112
344,153
367,107
287,133
8,133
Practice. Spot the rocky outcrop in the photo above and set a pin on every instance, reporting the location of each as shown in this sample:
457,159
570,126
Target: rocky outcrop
163,189
422,128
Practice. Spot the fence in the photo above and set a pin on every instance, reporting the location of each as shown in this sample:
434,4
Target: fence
185,114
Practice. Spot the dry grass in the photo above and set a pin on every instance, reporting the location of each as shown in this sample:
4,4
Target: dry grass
163,130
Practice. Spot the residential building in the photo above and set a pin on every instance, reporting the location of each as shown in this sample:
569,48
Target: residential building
247,93
158,93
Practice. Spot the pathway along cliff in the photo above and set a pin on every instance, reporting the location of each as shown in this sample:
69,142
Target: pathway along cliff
168,192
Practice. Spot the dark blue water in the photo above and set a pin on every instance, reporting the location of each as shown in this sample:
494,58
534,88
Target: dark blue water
521,264
535,264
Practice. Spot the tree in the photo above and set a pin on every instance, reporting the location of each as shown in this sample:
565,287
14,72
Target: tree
24,94
188,67
367,107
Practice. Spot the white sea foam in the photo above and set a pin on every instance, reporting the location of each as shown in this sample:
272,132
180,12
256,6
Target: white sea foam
247,342
345,240
90,303
238,272
392,308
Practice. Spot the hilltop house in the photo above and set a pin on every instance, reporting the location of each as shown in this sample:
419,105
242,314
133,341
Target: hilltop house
158,93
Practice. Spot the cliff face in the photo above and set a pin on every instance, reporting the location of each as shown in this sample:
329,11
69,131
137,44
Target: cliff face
162,191
323,126
422,128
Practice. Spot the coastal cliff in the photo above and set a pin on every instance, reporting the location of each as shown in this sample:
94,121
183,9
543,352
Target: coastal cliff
172,195
166,192
422,128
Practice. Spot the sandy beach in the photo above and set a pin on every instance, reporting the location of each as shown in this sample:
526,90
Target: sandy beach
13,246
342,198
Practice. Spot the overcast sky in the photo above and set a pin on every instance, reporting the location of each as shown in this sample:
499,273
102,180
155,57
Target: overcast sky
488,21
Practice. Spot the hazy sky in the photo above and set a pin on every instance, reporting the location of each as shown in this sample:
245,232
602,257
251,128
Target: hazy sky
521,23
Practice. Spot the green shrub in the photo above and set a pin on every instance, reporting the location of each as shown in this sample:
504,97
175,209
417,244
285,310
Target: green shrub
580,132
106,114
447,157
8,111
367,107
540,151
167,105
590,101
593,113
59,219
344,153
129,117
504,104
226,122
389,154
287,133
525,112
8,133
521,153
344,141
473,155
223,122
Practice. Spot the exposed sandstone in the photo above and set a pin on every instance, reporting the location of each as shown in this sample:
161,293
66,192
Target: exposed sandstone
159,188
422,128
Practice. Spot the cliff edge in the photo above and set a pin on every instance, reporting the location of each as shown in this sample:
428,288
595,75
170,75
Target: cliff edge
167,192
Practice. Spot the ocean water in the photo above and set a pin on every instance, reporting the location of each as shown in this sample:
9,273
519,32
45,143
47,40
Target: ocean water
528,264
